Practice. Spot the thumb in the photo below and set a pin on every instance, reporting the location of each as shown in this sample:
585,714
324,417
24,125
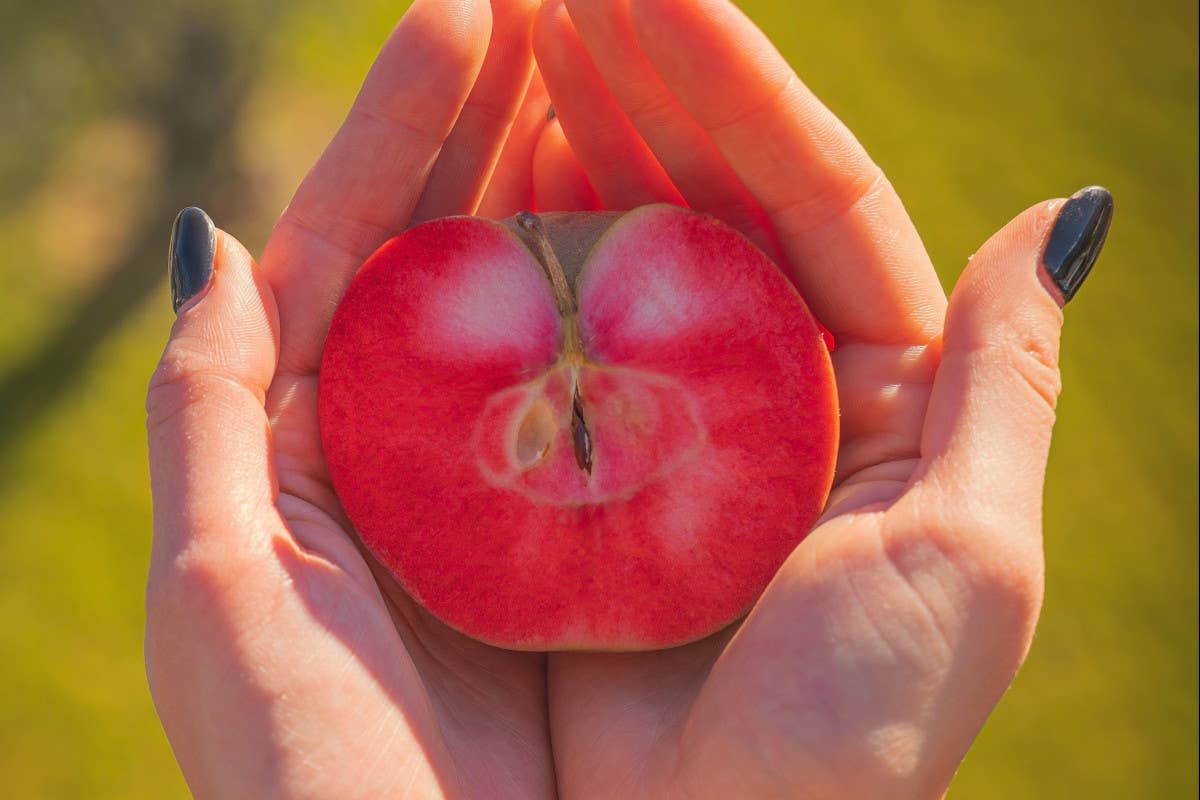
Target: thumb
206,423
987,431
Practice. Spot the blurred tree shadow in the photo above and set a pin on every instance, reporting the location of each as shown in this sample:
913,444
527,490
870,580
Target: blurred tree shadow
193,97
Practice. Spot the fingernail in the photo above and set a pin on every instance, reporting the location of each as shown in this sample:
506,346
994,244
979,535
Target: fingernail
193,244
1077,237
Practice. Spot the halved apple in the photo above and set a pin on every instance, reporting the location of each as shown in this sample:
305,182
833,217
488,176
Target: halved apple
578,431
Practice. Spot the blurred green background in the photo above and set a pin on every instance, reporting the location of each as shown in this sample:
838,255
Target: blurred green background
115,115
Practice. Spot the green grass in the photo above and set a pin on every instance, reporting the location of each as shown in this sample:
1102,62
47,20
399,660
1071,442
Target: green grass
976,111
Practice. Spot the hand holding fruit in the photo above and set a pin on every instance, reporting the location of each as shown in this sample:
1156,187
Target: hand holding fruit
285,660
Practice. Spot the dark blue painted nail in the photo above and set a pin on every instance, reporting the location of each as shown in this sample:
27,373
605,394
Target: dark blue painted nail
193,244
1077,237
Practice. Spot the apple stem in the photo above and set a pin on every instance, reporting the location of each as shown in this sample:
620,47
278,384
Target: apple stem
563,296
568,309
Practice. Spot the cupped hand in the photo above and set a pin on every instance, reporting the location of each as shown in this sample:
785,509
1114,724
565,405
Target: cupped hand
283,661
280,662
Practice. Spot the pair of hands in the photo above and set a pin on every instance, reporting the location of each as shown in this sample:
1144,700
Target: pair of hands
284,662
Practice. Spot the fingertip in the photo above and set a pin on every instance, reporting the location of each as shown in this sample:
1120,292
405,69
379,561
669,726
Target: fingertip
231,325
203,254
230,252
1024,236
1041,220
1004,288
191,257
1076,238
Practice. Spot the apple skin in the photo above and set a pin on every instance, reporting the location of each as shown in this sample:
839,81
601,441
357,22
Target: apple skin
446,413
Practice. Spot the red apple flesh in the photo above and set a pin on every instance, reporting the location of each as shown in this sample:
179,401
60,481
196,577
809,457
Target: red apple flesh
578,431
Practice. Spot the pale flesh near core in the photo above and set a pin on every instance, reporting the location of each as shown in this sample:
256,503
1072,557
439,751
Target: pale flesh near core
596,431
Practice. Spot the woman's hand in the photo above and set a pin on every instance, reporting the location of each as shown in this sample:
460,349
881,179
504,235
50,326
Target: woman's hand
283,661
280,662
874,657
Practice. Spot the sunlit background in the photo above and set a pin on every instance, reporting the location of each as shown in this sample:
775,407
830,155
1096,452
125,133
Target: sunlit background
115,115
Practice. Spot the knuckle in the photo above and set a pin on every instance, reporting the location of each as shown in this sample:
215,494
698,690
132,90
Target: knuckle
172,384
1036,361
1002,564
745,109
992,550
397,119
182,357
1032,360
649,105
346,233
201,587
812,212
188,374
176,590
491,111
183,602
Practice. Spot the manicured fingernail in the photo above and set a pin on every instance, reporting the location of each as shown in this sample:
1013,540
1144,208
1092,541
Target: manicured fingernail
1076,238
193,244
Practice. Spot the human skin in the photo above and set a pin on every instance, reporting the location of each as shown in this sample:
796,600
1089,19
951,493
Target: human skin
285,662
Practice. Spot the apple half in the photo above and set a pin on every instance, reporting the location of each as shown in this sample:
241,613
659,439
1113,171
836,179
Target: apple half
595,431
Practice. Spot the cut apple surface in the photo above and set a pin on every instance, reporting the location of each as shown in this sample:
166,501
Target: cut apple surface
587,431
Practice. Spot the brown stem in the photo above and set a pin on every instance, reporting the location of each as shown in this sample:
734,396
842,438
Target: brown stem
568,309
564,298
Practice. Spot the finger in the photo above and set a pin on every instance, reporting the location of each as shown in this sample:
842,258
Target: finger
210,469
366,184
987,434
618,162
856,256
470,153
685,150
559,180
511,186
